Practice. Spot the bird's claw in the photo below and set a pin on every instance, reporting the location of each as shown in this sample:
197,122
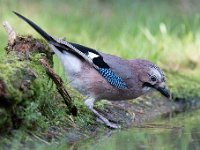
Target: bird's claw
109,124
113,126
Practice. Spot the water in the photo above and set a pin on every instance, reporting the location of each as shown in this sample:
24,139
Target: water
179,133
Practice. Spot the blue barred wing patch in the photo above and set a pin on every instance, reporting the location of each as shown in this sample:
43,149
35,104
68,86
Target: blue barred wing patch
112,78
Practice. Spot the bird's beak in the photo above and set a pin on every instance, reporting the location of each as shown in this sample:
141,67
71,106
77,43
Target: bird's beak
161,88
164,91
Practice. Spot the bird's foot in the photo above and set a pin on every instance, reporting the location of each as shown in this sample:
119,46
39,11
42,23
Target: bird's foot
113,125
109,124
90,102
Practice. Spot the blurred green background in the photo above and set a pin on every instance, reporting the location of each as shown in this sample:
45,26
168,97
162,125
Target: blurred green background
166,32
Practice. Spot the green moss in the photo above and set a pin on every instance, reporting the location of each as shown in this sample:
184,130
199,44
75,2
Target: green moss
183,85
29,102
5,121
11,73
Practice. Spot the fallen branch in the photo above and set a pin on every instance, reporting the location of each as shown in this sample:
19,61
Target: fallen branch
11,33
56,79
60,87
18,89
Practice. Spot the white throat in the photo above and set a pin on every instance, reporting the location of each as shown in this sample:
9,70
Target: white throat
146,89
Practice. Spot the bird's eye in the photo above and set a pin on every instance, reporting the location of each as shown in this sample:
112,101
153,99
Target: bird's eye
153,78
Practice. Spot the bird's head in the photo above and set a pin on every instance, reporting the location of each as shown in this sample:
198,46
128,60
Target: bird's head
152,77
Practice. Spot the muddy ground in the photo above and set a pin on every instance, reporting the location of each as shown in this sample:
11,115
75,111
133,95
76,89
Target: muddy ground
134,113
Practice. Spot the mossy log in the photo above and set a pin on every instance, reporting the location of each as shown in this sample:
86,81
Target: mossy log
23,80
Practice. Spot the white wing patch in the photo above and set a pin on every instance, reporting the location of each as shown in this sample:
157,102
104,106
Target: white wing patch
92,55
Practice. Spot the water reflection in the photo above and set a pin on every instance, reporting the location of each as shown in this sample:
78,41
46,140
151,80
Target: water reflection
185,135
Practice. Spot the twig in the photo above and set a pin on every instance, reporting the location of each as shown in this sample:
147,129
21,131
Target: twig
160,126
60,87
11,33
37,137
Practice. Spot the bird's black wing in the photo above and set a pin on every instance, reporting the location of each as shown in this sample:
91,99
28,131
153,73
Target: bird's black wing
90,55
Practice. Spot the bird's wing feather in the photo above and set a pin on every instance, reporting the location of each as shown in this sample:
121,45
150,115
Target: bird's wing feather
97,61
90,55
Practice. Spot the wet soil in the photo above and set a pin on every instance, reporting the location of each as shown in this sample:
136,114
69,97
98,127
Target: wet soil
134,113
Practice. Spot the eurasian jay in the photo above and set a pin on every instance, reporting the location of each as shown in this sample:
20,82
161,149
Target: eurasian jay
97,75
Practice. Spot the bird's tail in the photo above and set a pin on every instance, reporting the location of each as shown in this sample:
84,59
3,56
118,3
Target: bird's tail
36,27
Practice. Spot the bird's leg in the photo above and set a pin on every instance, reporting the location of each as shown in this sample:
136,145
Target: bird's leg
90,103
